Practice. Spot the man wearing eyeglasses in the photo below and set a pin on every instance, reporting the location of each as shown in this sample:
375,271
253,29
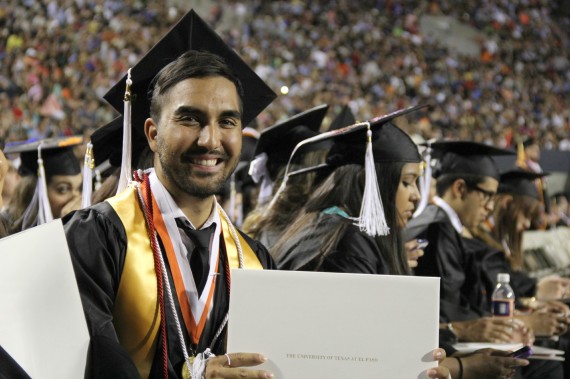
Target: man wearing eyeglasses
467,180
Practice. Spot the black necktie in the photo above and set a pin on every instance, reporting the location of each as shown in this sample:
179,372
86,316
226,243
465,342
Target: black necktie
198,252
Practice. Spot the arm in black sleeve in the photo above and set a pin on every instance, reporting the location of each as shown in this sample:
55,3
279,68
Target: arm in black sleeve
355,253
261,252
97,243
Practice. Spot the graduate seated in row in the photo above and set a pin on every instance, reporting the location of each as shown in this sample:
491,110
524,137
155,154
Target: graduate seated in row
269,223
50,184
270,219
467,182
498,249
517,204
324,236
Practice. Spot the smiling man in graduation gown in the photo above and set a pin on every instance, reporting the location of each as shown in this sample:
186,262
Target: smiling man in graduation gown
153,263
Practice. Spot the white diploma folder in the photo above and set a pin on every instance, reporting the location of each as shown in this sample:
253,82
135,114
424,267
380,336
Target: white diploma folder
332,325
42,324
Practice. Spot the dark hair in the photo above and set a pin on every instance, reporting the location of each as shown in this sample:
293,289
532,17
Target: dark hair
22,197
191,64
445,181
506,224
290,201
344,188
326,195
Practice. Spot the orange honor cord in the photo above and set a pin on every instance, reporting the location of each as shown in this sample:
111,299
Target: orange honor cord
194,328
150,205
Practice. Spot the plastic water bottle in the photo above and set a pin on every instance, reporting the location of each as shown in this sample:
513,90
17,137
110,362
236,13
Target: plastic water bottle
503,300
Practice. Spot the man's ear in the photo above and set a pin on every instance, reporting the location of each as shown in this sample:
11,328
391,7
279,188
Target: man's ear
459,189
151,131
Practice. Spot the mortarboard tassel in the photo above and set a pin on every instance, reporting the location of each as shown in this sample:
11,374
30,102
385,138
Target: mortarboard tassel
258,172
125,175
231,211
40,200
425,181
44,208
372,219
88,164
98,179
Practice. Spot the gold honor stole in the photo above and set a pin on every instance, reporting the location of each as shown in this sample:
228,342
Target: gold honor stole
136,314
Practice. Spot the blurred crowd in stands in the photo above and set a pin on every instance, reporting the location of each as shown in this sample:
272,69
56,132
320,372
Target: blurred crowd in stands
57,59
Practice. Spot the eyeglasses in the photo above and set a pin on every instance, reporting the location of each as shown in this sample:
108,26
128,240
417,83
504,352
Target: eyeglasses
488,196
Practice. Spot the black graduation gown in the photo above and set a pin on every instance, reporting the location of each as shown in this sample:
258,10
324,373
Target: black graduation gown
9,368
446,257
493,261
355,252
97,242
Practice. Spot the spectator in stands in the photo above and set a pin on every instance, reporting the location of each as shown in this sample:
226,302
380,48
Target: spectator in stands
51,81
562,208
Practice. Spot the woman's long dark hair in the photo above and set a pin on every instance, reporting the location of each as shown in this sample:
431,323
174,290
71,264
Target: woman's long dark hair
22,197
291,200
344,189
506,224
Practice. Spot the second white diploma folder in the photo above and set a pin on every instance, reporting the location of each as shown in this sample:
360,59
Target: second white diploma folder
333,325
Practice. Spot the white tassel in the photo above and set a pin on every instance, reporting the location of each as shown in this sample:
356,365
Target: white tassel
88,164
125,175
277,194
372,219
425,183
233,194
44,208
198,369
258,172
98,179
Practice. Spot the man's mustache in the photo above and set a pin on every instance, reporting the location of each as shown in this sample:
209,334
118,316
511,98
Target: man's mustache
192,153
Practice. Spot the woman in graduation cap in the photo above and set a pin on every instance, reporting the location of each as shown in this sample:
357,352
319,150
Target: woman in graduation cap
51,180
329,234
500,241
274,147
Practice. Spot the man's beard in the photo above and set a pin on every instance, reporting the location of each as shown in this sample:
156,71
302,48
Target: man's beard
185,178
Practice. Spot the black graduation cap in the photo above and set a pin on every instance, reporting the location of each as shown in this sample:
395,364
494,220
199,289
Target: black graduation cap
344,118
389,144
520,182
107,143
278,141
249,140
463,157
350,145
57,155
190,33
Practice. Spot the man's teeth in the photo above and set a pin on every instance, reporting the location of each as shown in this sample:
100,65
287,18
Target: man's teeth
205,162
